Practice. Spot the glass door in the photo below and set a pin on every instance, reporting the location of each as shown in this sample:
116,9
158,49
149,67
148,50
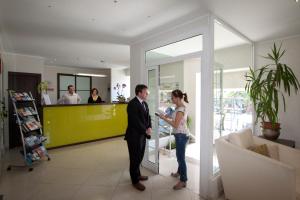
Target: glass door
151,158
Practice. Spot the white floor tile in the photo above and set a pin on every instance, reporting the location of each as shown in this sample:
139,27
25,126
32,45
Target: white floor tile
94,171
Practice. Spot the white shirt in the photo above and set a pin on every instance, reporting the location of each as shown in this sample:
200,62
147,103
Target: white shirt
141,101
68,98
182,128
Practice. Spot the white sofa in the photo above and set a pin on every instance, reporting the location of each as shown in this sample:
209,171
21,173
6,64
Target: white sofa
247,175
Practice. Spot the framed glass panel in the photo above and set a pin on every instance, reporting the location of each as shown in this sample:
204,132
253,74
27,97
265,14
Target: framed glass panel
65,80
84,95
83,82
82,85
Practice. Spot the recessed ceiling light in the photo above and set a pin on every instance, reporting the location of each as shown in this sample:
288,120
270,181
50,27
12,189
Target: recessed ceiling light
115,1
102,61
297,1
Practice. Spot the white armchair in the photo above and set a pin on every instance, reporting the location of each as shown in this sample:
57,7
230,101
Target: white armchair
247,175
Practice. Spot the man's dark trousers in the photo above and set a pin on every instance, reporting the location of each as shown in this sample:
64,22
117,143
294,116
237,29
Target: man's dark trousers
138,122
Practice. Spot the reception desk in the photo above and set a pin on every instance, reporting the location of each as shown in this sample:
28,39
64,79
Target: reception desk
73,124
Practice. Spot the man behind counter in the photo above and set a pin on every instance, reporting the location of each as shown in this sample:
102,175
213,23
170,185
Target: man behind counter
70,97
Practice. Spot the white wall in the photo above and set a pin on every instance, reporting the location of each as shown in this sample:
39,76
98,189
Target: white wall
120,76
33,64
191,69
290,120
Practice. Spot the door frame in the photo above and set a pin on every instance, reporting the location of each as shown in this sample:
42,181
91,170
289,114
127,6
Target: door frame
154,167
199,25
149,66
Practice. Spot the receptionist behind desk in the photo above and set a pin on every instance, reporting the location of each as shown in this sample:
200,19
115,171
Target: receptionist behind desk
94,98
70,97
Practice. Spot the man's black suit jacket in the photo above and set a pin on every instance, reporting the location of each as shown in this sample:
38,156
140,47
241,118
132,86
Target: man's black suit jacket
139,119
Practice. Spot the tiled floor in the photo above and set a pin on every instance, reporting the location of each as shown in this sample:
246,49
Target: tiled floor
93,171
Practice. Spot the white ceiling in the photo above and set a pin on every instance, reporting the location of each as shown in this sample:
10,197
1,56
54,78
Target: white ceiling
225,38
259,19
84,32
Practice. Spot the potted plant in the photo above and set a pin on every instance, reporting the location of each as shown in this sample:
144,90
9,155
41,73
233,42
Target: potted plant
43,87
121,98
266,86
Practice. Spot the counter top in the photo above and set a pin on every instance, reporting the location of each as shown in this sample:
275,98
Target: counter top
89,104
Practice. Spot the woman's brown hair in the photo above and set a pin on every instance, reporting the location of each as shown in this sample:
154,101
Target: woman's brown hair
180,94
94,89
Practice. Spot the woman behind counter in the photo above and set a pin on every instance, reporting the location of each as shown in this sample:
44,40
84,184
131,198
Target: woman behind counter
94,98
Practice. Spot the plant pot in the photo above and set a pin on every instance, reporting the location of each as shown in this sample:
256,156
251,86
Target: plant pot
270,131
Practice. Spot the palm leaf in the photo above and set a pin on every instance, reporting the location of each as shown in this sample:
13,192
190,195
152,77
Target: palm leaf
266,83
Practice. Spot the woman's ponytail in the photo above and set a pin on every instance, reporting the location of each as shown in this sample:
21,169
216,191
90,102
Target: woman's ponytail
185,98
178,93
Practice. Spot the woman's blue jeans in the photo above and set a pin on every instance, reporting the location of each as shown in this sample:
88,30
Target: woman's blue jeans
181,141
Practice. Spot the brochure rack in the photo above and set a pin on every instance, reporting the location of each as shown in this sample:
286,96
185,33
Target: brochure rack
28,121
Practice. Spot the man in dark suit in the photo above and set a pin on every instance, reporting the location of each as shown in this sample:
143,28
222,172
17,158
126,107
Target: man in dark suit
139,128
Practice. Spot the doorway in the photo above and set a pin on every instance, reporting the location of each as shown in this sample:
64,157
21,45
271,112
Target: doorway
21,82
179,70
185,76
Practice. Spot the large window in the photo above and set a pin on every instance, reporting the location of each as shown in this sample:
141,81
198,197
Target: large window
232,106
82,85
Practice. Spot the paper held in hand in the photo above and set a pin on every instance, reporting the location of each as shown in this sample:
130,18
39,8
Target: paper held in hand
160,112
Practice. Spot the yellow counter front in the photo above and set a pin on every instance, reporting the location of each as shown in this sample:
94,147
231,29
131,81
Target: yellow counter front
72,124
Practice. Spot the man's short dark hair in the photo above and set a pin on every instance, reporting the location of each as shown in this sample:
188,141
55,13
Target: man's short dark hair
139,88
69,86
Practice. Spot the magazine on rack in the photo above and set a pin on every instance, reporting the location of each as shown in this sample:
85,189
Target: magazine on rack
29,123
21,96
37,154
35,140
26,111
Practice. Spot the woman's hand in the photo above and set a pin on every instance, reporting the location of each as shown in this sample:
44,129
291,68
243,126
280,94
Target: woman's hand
162,116
175,123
